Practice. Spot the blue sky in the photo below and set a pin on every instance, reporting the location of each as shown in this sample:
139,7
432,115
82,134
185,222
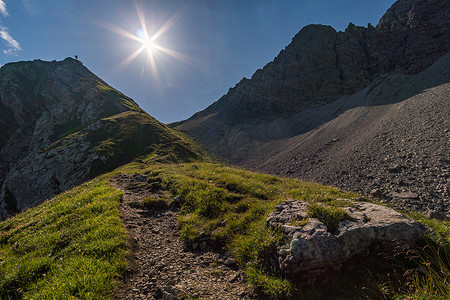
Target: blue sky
205,47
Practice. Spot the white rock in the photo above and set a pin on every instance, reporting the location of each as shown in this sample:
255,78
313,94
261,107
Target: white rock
312,249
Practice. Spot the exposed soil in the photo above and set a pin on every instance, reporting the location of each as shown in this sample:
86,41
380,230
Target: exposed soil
160,265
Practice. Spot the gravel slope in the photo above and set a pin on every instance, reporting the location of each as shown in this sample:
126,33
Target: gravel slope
389,140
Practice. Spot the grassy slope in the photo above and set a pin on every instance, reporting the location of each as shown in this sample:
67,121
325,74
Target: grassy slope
122,136
74,244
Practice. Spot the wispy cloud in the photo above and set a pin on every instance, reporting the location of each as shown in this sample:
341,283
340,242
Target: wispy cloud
13,45
3,10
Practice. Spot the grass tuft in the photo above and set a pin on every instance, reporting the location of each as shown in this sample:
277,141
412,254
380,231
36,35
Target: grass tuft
274,287
429,272
329,215
155,203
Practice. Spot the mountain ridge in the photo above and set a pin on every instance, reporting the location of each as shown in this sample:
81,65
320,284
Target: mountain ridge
64,125
320,64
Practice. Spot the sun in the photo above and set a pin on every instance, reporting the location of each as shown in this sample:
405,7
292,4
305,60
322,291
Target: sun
149,43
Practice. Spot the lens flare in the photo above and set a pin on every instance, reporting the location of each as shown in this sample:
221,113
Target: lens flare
148,43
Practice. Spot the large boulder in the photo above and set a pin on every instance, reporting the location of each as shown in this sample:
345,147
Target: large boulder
312,249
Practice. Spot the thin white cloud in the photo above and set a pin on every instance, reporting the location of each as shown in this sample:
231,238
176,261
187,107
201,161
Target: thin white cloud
3,10
13,45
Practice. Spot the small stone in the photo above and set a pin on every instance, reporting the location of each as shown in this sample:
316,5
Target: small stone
234,278
172,282
230,262
434,214
405,195
376,193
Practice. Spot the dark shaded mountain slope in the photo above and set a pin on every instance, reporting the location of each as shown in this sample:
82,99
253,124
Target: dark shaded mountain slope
62,125
315,74
389,140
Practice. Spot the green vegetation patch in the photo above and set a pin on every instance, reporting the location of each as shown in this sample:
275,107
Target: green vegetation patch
155,203
327,214
429,273
72,246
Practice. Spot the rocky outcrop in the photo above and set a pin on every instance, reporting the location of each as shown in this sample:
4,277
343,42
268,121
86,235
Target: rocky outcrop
333,107
313,249
62,125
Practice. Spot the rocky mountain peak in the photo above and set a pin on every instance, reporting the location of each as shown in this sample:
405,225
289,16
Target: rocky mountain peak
321,65
61,125
412,34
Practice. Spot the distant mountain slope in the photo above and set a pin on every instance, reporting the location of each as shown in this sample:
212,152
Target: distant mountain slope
293,94
390,140
62,125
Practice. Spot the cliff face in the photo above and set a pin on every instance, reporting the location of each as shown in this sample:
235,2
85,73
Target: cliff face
291,95
321,65
62,125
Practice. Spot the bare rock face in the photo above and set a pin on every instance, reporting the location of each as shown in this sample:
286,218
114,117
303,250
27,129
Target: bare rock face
312,249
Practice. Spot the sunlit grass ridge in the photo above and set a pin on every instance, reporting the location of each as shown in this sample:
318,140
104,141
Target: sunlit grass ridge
71,246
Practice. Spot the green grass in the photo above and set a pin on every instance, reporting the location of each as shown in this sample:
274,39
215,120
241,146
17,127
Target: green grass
327,214
72,246
221,201
429,269
155,203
